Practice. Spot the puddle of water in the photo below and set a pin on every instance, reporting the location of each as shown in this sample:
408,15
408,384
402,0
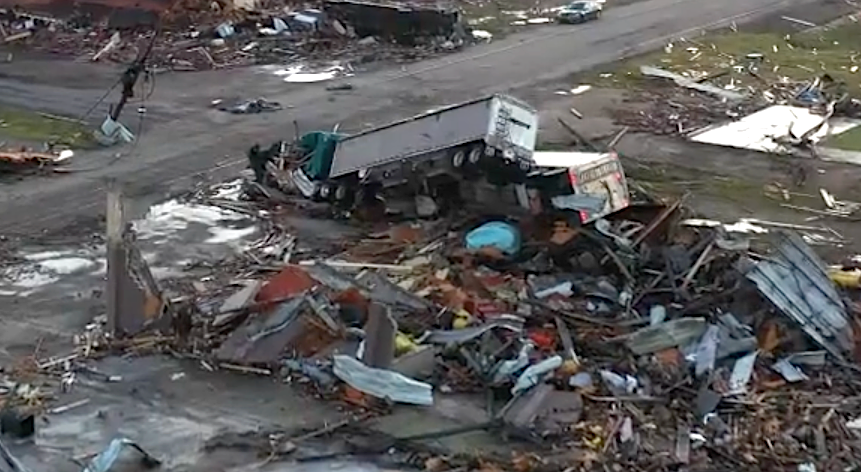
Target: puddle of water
68,265
30,279
43,268
171,234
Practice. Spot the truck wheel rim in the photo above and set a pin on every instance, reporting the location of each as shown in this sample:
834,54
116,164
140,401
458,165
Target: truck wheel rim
340,192
458,158
324,191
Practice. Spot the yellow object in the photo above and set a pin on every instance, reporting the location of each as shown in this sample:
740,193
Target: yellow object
462,318
404,344
594,443
845,278
569,367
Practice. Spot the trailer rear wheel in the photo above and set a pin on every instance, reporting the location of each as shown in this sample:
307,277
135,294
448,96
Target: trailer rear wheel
342,192
458,158
475,153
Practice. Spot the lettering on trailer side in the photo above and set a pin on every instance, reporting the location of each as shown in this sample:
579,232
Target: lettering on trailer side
598,172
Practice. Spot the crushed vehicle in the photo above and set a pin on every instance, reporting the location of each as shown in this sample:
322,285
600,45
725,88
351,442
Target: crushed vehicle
592,184
579,12
493,137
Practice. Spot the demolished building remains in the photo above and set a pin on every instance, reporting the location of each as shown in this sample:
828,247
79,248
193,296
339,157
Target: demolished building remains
645,339
196,34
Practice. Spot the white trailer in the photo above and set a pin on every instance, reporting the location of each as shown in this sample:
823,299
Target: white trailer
496,127
494,135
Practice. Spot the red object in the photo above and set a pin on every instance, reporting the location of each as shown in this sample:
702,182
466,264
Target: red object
290,282
543,339
484,309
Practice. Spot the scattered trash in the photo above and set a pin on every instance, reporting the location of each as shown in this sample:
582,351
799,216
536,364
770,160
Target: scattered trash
252,106
28,161
305,35
692,84
674,333
790,372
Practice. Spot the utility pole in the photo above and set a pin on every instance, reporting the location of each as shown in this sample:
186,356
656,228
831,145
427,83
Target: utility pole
116,257
131,75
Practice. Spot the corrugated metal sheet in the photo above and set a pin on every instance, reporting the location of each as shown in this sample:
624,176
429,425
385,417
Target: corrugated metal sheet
795,281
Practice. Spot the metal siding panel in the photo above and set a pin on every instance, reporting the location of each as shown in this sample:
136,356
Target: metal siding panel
413,137
795,281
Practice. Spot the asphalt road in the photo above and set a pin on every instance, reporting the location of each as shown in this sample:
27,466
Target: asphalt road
183,138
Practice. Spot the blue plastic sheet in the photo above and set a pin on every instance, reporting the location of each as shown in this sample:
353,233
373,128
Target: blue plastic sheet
497,234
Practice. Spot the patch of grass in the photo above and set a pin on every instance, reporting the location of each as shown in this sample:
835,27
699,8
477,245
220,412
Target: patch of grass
848,141
30,126
785,58
674,181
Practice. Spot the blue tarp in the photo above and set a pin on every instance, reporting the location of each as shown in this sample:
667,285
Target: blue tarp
498,234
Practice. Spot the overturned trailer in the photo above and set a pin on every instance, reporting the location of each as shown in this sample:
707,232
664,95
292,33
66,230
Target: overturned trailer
492,135
398,21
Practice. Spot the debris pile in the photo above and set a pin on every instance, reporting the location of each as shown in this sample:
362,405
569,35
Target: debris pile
222,36
667,112
25,161
670,113
648,339
717,82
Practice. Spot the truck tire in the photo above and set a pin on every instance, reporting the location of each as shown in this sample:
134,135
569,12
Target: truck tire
325,192
342,192
475,154
458,158
524,166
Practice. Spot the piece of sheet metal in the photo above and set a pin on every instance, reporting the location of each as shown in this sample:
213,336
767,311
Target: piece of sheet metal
795,281
8,462
382,383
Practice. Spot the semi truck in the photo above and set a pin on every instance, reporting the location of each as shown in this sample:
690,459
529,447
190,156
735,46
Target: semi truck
493,136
